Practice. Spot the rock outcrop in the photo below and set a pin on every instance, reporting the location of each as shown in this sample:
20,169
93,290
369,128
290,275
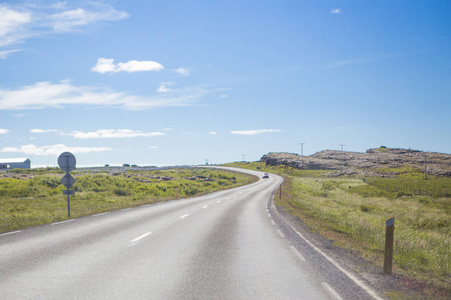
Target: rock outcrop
375,162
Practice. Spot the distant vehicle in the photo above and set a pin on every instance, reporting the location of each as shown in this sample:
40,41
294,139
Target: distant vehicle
266,175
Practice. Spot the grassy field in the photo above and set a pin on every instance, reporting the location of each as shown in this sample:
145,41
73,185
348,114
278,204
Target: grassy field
36,196
352,213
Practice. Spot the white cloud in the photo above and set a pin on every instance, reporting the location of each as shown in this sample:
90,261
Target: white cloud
153,147
5,54
183,71
106,65
3,131
101,133
223,96
45,131
335,11
212,132
253,132
69,20
113,133
163,89
45,94
53,150
22,21
11,21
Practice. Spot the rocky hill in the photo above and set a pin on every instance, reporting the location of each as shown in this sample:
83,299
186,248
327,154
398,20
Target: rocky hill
386,162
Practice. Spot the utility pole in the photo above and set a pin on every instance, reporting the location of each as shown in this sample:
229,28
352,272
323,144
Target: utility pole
302,148
425,167
342,153
243,156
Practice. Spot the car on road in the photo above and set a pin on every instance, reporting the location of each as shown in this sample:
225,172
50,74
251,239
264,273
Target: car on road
265,176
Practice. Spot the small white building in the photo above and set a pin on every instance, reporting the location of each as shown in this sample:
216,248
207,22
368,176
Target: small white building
15,163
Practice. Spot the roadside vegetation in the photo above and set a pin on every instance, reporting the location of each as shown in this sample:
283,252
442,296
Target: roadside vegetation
352,212
33,197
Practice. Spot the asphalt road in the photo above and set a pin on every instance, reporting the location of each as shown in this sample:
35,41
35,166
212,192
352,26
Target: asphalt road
226,245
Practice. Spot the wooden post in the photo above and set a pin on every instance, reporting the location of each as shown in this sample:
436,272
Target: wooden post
175,189
280,196
389,242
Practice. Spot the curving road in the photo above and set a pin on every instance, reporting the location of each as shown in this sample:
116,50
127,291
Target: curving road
226,245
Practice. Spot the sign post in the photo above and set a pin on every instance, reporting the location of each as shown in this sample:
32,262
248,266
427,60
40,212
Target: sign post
67,161
389,241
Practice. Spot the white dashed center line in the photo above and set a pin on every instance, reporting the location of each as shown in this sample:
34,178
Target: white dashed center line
331,291
296,252
205,206
140,237
184,216
280,233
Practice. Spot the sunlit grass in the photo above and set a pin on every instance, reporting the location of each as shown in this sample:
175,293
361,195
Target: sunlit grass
353,215
38,200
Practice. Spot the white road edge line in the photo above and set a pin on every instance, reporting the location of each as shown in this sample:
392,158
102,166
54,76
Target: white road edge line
140,237
62,222
331,291
351,276
12,232
184,216
101,214
296,252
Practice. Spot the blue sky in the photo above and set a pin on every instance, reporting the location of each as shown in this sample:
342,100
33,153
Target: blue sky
153,82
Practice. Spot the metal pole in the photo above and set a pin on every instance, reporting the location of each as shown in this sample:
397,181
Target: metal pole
68,204
68,194
302,148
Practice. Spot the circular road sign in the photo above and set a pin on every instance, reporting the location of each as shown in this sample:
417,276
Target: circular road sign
66,161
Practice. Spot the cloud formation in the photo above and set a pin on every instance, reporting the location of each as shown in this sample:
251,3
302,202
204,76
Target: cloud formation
335,11
45,94
106,65
3,131
22,21
183,71
102,133
113,133
253,132
53,150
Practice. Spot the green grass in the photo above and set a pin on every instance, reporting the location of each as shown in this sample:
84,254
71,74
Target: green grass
38,199
354,212
435,187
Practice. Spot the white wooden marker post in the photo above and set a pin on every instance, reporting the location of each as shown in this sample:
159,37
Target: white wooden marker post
67,161
389,241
